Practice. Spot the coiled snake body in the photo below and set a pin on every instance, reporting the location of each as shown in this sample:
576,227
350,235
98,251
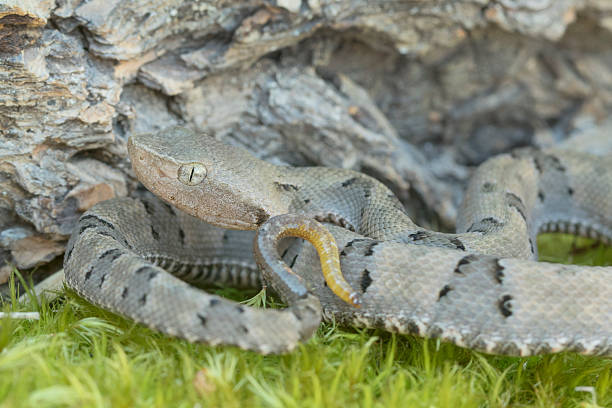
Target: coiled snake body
479,288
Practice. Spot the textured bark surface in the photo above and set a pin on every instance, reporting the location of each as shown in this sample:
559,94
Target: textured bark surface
412,92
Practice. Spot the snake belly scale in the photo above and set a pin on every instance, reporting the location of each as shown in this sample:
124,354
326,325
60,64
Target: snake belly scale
479,288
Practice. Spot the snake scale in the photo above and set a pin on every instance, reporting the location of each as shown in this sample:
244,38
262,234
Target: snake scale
479,288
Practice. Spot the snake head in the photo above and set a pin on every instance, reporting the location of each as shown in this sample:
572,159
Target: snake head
223,185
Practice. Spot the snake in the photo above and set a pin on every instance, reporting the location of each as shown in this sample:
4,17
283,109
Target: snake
216,215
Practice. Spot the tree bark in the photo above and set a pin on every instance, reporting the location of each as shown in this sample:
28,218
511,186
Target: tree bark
412,92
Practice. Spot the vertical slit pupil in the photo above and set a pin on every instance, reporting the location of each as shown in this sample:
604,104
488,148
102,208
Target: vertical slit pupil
191,175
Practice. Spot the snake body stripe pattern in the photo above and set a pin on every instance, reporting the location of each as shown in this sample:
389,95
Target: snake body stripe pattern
497,305
112,260
479,288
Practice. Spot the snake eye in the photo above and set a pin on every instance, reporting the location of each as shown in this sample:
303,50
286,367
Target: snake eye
192,174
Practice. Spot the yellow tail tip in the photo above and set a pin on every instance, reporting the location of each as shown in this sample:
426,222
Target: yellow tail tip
355,299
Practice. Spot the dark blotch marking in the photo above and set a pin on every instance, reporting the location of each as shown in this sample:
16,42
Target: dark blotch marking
142,300
348,182
541,195
293,261
350,243
370,249
89,272
124,292
367,193
366,280
504,305
556,163
142,269
152,275
240,309
464,261
97,220
325,283
531,245
68,255
488,187
202,319
491,220
225,236
244,329
485,225
154,233
444,291
516,202
570,191
457,243
112,254
541,161
102,279
182,235
419,235
286,186
284,253
537,164
84,228
306,201
148,207
123,240
214,302
499,272
342,253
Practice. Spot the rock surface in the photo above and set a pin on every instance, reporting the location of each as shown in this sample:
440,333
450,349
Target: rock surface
414,93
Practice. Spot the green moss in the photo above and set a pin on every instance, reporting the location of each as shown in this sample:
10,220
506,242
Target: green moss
82,356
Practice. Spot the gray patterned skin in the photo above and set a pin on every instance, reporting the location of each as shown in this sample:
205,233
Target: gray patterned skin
479,288
497,305
119,255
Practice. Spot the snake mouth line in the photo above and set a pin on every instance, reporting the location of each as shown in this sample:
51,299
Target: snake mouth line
229,223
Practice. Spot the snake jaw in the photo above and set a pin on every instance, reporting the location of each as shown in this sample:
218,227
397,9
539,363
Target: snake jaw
228,223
